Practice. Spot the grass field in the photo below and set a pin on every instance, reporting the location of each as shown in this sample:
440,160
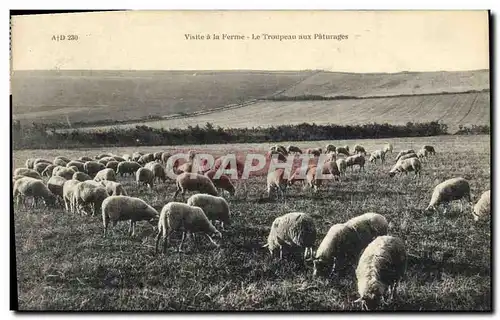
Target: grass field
64,263
452,109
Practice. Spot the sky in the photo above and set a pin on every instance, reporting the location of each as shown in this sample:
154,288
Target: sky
377,41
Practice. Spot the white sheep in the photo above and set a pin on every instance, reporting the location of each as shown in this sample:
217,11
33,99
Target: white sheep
277,182
148,157
194,182
88,193
127,167
123,208
343,243
114,188
378,154
407,156
39,167
294,230
314,151
66,173
27,173
359,149
178,216
215,208
81,176
158,172
39,160
449,190
388,148
380,269
68,193
330,148
293,149
29,163
405,166
403,152
331,167
164,157
430,149
422,153
105,174
103,155
63,158
127,157
93,167
60,162
357,159
342,165
55,185
342,150
482,209
47,172
136,156
112,165
144,176
84,159
80,165
30,187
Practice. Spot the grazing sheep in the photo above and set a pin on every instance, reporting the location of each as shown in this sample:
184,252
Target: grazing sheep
127,167
342,150
148,157
378,154
78,164
144,176
293,149
482,209
295,230
343,243
60,162
222,183
194,182
164,157
39,167
63,158
277,182
55,185
359,149
330,148
118,159
88,193
430,149
27,173
279,148
29,163
357,159
240,166
342,165
157,156
136,156
105,174
103,155
177,216
85,159
403,152
281,156
81,176
66,173
449,190
104,161
127,157
422,153
380,269
114,188
68,192
74,168
112,165
123,208
47,172
407,156
215,208
312,179
388,148
93,167
314,151
331,167
412,164
40,160
158,172
30,187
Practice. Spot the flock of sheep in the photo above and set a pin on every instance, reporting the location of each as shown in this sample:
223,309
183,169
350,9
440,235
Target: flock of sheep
88,184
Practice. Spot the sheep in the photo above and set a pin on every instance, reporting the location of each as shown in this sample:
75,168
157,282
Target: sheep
104,161
118,159
93,167
293,149
312,180
148,157
29,163
60,162
407,156
27,173
84,159
123,208
403,152
378,154
40,160
279,148
144,176
177,216
114,188
281,156
74,168
388,148
55,185
342,150
112,165
342,165
126,157
78,164
314,151
81,176
215,208
356,159
292,230
422,153
127,167
222,183
157,156
68,192
343,243
330,148
103,155
30,187
39,167
47,172
331,167
430,149
63,158
66,173
164,157
412,164
359,149
158,172
482,209
57,169
277,182
194,182
240,166
105,174
136,156
380,269
449,190
88,193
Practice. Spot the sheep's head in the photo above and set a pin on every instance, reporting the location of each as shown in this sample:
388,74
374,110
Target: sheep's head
50,201
371,299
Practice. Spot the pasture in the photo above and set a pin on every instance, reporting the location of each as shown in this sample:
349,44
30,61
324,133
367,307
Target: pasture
64,263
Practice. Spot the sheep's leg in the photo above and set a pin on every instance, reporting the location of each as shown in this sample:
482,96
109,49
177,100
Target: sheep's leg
131,229
281,253
212,240
166,240
177,192
182,241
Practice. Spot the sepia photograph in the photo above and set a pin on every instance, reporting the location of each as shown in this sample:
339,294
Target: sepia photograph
188,160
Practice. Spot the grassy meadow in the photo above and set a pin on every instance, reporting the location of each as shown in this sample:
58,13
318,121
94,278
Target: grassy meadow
64,263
